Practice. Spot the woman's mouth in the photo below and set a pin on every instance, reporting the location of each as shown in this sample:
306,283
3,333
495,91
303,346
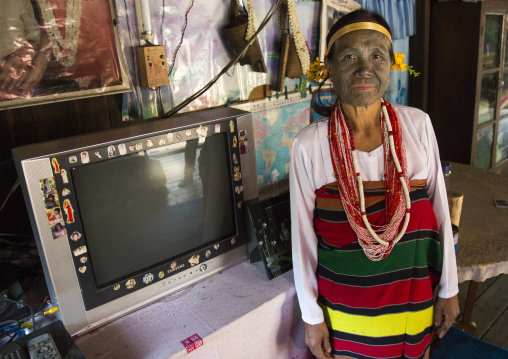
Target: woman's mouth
363,87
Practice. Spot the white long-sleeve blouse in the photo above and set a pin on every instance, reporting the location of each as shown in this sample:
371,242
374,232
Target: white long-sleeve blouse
311,168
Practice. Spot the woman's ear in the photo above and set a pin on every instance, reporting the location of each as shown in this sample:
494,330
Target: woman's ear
328,69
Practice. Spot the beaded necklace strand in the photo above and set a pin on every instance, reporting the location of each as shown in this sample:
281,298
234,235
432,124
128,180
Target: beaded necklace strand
376,241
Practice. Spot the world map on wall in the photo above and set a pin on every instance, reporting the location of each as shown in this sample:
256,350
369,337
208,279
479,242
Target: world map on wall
274,132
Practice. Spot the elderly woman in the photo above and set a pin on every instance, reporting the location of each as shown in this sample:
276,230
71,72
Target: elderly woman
371,231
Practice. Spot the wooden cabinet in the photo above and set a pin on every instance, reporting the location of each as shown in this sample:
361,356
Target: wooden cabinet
468,82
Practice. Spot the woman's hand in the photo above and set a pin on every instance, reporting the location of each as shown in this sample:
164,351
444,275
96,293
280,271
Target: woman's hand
445,312
318,341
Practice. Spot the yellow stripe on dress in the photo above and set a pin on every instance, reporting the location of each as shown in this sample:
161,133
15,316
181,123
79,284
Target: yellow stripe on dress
411,323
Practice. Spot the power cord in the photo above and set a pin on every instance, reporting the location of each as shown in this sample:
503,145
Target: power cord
181,39
14,187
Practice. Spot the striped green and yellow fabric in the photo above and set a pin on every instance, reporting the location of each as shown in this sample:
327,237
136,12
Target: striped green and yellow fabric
378,309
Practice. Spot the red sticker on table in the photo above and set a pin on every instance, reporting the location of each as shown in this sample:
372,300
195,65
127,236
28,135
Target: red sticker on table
192,342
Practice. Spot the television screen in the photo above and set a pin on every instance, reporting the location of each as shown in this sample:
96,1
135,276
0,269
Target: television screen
135,201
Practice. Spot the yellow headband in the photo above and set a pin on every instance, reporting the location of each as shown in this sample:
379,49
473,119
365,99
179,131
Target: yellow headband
358,26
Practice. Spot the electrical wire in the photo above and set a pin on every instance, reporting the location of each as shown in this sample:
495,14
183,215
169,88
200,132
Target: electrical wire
181,39
134,58
184,103
16,185
162,20
6,323
16,235
24,304
14,244
6,161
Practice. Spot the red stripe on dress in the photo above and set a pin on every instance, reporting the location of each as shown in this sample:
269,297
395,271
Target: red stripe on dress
415,350
434,281
341,234
383,351
374,351
417,290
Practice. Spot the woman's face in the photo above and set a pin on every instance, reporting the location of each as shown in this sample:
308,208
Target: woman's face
360,67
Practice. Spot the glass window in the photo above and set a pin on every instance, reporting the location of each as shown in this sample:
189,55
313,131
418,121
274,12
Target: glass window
503,100
502,141
488,96
483,155
506,44
492,43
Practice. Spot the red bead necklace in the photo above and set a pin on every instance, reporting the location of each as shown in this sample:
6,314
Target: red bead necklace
376,241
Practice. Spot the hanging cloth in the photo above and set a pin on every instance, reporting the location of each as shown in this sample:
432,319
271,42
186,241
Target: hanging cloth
400,15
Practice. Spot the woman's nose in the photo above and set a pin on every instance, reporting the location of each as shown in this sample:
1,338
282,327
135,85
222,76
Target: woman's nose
364,67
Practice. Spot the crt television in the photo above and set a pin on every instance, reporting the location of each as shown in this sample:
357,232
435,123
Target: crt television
126,216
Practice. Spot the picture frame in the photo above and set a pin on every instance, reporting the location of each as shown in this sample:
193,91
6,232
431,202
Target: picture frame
331,11
270,227
66,53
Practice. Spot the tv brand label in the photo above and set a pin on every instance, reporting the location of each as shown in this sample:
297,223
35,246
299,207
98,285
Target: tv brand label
176,268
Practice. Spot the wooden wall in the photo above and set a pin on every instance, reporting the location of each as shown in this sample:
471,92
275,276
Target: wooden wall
29,125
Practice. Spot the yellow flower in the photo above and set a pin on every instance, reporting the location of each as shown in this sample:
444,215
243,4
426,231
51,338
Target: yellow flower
317,71
399,58
399,65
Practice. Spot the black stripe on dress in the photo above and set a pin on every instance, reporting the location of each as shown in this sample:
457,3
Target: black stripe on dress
373,280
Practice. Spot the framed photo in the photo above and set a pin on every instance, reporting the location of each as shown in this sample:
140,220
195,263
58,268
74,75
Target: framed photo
331,11
57,50
271,223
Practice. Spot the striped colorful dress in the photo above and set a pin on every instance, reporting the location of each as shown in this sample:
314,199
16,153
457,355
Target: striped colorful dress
377,309
373,309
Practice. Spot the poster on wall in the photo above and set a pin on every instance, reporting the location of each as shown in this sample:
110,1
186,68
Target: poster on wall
331,11
56,50
276,122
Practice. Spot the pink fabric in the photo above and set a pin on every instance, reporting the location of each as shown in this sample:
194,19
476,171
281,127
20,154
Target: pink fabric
96,57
